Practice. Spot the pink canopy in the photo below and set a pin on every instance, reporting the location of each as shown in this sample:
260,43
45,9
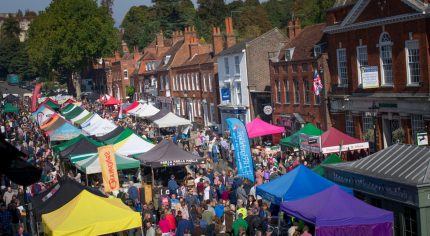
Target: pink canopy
334,141
112,101
132,106
258,127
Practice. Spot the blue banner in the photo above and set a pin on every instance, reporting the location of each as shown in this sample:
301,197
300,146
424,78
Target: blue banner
240,140
225,94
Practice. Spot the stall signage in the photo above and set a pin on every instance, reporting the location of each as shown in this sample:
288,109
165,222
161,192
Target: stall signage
422,139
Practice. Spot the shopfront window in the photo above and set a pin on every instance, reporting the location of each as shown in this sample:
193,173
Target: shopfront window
417,122
349,124
410,220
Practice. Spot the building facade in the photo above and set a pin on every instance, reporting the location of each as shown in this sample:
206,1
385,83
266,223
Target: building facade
292,73
244,77
24,23
379,66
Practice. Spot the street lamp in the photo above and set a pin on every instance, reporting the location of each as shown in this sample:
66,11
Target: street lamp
374,112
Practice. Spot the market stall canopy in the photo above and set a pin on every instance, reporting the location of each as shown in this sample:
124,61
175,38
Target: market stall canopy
79,121
9,107
112,101
98,126
258,128
65,132
10,98
51,103
131,107
301,135
125,133
68,108
58,195
68,101
296,184
83,114
117,131
133,145
165,119
73,113
91,165
80,145
134,108
146,110
89,214
42,114
334,141
166,153
334,212
54,122
330,159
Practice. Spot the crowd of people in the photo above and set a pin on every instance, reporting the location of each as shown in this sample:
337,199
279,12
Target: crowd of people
210,200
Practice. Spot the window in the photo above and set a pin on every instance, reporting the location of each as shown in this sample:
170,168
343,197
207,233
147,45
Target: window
175,83
410,217
367,125
342,67
413,61
193,82
304,67
167,81
162,83
197,82
226,68
306,90
188,82
238,92
237,64
386,58
296,91
210,82
294,68
204,82
180,83
287,91
212,112
317,51
349,122
317,100
125,74
278,91
417,122
361,61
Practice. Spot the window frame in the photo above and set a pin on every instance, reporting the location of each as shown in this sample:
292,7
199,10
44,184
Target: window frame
361,61
237,65
386,46
306,91
412,45
226,66
278,91
342,65
296,85
287,91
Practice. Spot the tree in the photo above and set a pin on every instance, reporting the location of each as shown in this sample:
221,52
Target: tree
210,13
253,20
108,4
280,12
69,36
174,14
9,44
140,26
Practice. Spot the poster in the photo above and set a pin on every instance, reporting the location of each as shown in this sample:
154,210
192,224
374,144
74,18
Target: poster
369,77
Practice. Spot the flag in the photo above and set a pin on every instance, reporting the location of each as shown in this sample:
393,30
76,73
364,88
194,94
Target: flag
317,83
239,138
108,166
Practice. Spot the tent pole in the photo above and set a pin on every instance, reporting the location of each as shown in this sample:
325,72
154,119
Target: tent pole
279,217
153,178
86,178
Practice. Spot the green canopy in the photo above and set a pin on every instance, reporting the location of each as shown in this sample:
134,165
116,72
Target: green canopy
68,108
8,107
91,165
294,139
80,157
62,146
123,135
331,159
52,105
85,118
73,113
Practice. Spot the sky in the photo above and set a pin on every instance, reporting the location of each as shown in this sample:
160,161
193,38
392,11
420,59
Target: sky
119,10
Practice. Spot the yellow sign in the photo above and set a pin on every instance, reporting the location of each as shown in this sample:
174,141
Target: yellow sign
108,166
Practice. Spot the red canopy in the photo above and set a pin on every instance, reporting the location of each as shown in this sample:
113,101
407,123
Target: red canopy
112,101
334,141
258,127
132,106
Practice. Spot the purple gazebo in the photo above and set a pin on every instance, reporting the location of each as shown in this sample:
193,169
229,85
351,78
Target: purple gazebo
336,213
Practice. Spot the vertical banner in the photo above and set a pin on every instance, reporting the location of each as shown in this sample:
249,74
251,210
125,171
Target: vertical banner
240,140
35,97
108,166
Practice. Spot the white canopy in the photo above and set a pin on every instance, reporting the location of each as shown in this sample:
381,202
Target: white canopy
171,120
147,110
80,116
132,145
135,110
97,126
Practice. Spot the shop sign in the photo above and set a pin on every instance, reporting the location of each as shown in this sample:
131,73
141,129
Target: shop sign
225,94
369,77
422,139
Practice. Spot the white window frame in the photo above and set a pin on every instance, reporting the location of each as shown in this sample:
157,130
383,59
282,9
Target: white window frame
362,60
306,91
417,125
204,82
188,82
193,86
174,82
237,65
180,83
210,82
197,81
287,91
349,124
296,85
342,67
412,45
226,66
386,46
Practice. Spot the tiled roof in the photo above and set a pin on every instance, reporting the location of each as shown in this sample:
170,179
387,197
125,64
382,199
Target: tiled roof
199,59
237,48
401,163
167,43
172,52
304,43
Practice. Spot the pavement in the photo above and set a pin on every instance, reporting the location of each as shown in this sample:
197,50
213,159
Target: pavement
5,88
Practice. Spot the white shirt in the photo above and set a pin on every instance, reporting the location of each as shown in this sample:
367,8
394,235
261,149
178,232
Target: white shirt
206,193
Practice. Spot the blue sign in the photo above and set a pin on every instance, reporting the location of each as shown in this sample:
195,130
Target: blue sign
225,94
240,140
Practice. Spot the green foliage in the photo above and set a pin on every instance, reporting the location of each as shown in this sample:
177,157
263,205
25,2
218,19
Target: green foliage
130,91
253,20
210,13
174,14
69,35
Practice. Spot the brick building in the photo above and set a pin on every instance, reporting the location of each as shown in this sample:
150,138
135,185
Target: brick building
244,77
291,74
379,65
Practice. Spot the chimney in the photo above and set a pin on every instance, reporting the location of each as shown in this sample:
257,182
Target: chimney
160,39
124,47
217,40
194,46
290,30
189,33
297,27
117,56
230,37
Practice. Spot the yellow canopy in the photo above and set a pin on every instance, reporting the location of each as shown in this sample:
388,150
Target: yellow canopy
88,214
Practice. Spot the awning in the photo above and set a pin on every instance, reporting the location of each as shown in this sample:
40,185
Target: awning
258,127
91,165
65,132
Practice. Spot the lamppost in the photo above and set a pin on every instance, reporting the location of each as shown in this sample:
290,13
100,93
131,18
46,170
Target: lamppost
374,112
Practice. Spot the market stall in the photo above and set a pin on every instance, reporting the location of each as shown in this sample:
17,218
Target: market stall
78,145
9,107
89,214
112,102
117,131
333,141
65,132
97,126
296,184
145,110
131,107
334,212
330,159
51,103
91,164
165,119
258,128
132,145
42,114
302,135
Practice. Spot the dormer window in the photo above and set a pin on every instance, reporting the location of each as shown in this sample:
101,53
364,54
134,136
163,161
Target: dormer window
166,59
289,54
